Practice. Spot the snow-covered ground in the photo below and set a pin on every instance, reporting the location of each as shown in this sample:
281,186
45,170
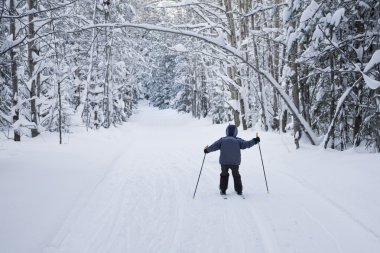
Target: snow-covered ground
129,189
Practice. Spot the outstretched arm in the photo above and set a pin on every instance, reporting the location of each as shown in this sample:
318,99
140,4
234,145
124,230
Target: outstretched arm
247,144
215,146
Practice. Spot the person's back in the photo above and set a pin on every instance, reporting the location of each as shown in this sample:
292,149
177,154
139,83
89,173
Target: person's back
230,157
230,151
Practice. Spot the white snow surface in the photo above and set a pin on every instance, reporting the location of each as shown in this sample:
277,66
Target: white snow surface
129,189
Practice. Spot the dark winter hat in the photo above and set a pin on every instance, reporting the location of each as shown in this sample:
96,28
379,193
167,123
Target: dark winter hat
231,130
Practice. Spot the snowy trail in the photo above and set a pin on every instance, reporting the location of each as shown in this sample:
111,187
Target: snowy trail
144,204
143,201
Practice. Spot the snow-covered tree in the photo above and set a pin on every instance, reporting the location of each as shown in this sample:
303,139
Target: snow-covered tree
307,67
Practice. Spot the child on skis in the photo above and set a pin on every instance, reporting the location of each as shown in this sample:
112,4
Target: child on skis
230,157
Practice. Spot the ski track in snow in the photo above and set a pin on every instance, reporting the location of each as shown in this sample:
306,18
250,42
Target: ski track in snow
339,208
331,218
144,203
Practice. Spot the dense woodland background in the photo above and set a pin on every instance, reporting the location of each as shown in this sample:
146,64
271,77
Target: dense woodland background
308,68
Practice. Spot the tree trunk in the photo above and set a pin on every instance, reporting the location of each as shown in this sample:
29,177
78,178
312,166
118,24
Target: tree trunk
337,111
12,30
259,78
195,90
303,88
31,64
273,59
295,93
107,97
358,120
244,33
232,71
284,119
86,109
59,112
276,46
203,99
332,96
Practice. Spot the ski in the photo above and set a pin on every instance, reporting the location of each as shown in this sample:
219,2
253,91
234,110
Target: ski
242,196
224,196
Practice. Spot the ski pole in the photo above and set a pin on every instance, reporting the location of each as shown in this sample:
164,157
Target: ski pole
200,172
266,183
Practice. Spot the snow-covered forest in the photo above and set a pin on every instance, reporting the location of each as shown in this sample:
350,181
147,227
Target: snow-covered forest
308,68
111,110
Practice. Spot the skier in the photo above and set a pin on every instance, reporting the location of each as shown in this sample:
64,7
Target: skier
230,157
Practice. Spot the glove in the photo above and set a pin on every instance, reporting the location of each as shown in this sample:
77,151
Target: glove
205,150
257,139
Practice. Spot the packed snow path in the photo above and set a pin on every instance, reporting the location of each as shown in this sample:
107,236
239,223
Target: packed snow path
320,201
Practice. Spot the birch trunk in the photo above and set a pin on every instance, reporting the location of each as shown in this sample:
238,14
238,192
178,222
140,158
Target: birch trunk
259,77
244,33
232,70
86,110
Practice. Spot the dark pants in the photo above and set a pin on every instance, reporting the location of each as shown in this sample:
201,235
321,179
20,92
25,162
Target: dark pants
224,178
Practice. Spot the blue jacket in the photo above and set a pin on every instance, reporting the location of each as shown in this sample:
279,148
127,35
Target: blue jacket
230,146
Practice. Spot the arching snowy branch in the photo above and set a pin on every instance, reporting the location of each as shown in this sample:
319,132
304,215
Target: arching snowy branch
220,42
